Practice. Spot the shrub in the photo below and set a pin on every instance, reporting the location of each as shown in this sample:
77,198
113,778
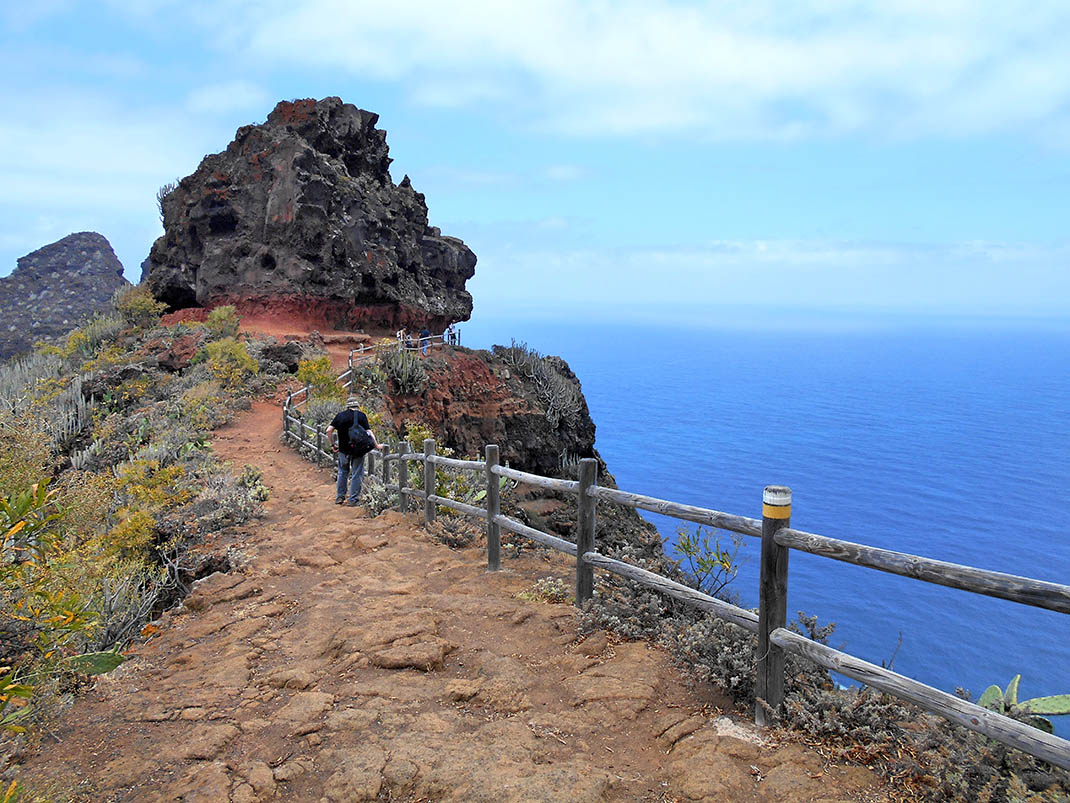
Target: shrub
710,564
229,362
404,370
319,376
223,322
137,307
558,391
25,452
548,589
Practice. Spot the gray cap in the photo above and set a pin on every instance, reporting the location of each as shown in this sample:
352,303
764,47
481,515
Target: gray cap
352,403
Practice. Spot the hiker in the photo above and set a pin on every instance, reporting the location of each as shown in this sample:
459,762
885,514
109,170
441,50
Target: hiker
401,337
448,335
425,339
350,450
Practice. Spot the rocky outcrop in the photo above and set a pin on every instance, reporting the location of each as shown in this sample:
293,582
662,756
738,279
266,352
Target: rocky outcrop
472,398
301,212
56,288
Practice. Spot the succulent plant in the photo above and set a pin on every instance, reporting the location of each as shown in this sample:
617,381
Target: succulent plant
1036,710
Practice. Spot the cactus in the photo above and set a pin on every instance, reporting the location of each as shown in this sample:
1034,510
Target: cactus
1036,710
96,663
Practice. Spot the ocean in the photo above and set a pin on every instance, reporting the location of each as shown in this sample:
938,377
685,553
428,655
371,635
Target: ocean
942,441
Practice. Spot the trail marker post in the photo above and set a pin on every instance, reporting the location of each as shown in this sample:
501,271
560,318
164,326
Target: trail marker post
772,601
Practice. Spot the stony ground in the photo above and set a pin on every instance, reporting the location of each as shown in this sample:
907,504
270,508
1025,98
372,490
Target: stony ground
351,658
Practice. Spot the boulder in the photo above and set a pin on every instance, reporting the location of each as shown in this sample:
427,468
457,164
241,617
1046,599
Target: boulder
300,215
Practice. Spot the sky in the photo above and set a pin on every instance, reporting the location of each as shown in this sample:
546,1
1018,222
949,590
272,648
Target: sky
641,160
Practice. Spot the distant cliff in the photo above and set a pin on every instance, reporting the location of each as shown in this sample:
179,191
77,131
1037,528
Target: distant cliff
300,214
55,288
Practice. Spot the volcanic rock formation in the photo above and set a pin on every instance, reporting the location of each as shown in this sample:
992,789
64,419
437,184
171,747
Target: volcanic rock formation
55,288
300,214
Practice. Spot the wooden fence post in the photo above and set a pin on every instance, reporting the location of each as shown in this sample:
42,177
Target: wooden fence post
369,465
429,482
772,602
285,419
585,531
386,466
494,507
403,477
319,441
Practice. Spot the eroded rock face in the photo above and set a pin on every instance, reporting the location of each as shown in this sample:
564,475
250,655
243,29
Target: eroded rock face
472,398
56,288
302,210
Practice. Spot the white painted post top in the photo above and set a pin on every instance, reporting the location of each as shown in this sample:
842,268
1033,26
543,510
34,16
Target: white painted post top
778,495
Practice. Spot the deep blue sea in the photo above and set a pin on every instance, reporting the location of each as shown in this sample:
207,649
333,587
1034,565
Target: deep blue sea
946,442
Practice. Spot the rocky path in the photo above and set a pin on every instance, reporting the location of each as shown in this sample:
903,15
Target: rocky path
353,659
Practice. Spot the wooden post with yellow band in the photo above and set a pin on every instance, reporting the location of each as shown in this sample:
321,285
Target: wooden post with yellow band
772,601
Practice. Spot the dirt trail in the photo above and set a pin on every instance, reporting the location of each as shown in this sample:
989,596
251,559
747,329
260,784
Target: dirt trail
354,659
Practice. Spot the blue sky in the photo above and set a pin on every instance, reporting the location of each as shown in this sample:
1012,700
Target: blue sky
627,159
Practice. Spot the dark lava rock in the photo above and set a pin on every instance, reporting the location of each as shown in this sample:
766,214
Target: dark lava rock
303,208
55,289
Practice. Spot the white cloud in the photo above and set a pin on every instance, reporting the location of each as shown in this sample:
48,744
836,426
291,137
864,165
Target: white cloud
722,70
565,172
978,277
227,98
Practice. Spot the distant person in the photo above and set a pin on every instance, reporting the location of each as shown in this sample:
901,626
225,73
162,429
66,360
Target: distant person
425,339
408,342
450,334
401,337
354,440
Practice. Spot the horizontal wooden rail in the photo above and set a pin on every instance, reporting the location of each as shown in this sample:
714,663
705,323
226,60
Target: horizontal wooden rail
414,492
748,620
699,515
1003,729
473,465
564,486
552,541
470,510
1027,591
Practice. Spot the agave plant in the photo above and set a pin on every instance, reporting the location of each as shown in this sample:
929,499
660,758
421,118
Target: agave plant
1037,709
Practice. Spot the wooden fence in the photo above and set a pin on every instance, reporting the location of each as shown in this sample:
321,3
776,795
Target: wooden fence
778,538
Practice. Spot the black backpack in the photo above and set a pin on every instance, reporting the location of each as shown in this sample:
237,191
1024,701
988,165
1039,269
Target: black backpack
360,440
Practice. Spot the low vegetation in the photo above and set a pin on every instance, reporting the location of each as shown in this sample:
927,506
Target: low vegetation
927,757
555,386
109,491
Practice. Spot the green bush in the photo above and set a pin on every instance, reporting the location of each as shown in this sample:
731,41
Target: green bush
319,376
404,370
223,322
137,306
230,363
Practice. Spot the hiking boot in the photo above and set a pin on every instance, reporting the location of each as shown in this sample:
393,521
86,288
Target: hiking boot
340,501
352,504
